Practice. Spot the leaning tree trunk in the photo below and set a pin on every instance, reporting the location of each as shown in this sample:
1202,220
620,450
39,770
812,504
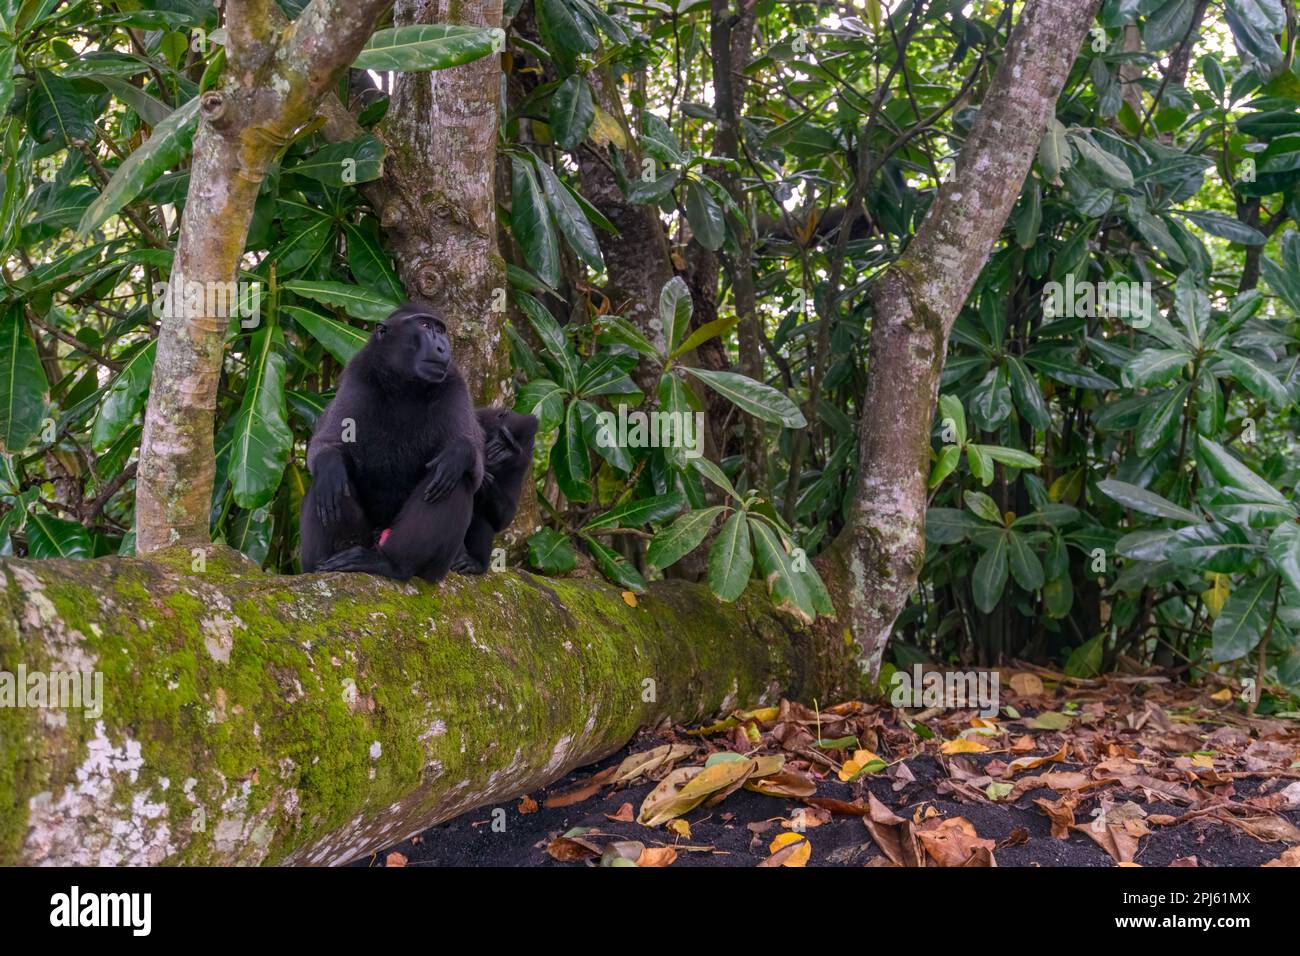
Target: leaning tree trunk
916,302
250,718
273,81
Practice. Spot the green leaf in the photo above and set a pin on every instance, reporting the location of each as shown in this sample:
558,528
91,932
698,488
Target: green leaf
950,409
983,506
57,111
572,111
1226,227
705,216
570,31
675,309
1025,566
545,399
1086,660
167,146
948,525
530,219
797,591
356,301
1228,471
50,537
24,390
1112,170
1167,24
1152,367
1258,380
731,558
124,399
553,338
1284,552
613,329
568,214
427,47
1029,397
761,401
681,537
715,475
1267,16
614,566
339,339
990,575
1011,457
949,458
640,512
1146,502
369,263
262,438
551,552
1243,620
569,457
705,332
359,160
1054,152
1159,423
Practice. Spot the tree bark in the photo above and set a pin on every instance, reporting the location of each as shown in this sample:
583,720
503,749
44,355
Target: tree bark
249,718
916,302
274,79
439,211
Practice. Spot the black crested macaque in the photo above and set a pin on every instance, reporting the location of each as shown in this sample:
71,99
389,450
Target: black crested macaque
395,459
508,455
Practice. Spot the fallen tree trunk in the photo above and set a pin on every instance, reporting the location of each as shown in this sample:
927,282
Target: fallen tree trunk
250,718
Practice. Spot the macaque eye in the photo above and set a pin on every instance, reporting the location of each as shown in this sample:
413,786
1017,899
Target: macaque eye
381,330
426,325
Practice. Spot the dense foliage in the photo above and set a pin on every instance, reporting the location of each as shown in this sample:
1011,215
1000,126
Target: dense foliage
1113,475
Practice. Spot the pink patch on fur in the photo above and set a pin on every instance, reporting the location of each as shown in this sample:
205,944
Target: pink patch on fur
383,536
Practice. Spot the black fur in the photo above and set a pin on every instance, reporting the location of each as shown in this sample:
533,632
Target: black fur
412,466
508,442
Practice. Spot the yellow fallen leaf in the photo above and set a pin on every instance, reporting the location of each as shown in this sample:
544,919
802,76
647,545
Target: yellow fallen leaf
797,857
962,746
629,599
1222,696
679,828
1204,761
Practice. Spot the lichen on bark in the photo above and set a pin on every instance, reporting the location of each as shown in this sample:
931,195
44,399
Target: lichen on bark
250,718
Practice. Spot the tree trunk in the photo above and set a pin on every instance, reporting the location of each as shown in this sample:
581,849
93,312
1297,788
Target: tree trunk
439,211
249,718
916,302
273,81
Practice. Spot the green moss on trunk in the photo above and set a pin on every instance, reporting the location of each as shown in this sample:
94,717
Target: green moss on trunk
250,718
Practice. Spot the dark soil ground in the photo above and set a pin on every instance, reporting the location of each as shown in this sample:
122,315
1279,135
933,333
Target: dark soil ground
724,837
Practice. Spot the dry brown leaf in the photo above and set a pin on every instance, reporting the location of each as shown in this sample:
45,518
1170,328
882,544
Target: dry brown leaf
1290,857
1026,684
624,814
395,859
893,834
954,842
1061,813
527,804
657,856
1033,763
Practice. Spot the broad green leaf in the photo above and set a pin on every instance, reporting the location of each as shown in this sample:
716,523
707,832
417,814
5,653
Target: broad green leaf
572,111
640,512
1029,397
262,437
569,457
553,338
1011,457
613,329
1284,552
1147,502
427,47
369,263
681,537
167,146
1243,620
339,339
614,566
794,584
948,525
704,333
675,308
990,575
530,220
1231,472
1152,367
124,399
569,217
1159,423
551,552
57,111
983,506
24,390
50,537
949,458
714,474
356,301
705,216
761,401
951,410
731,558
1258,380
1026,568
359,160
